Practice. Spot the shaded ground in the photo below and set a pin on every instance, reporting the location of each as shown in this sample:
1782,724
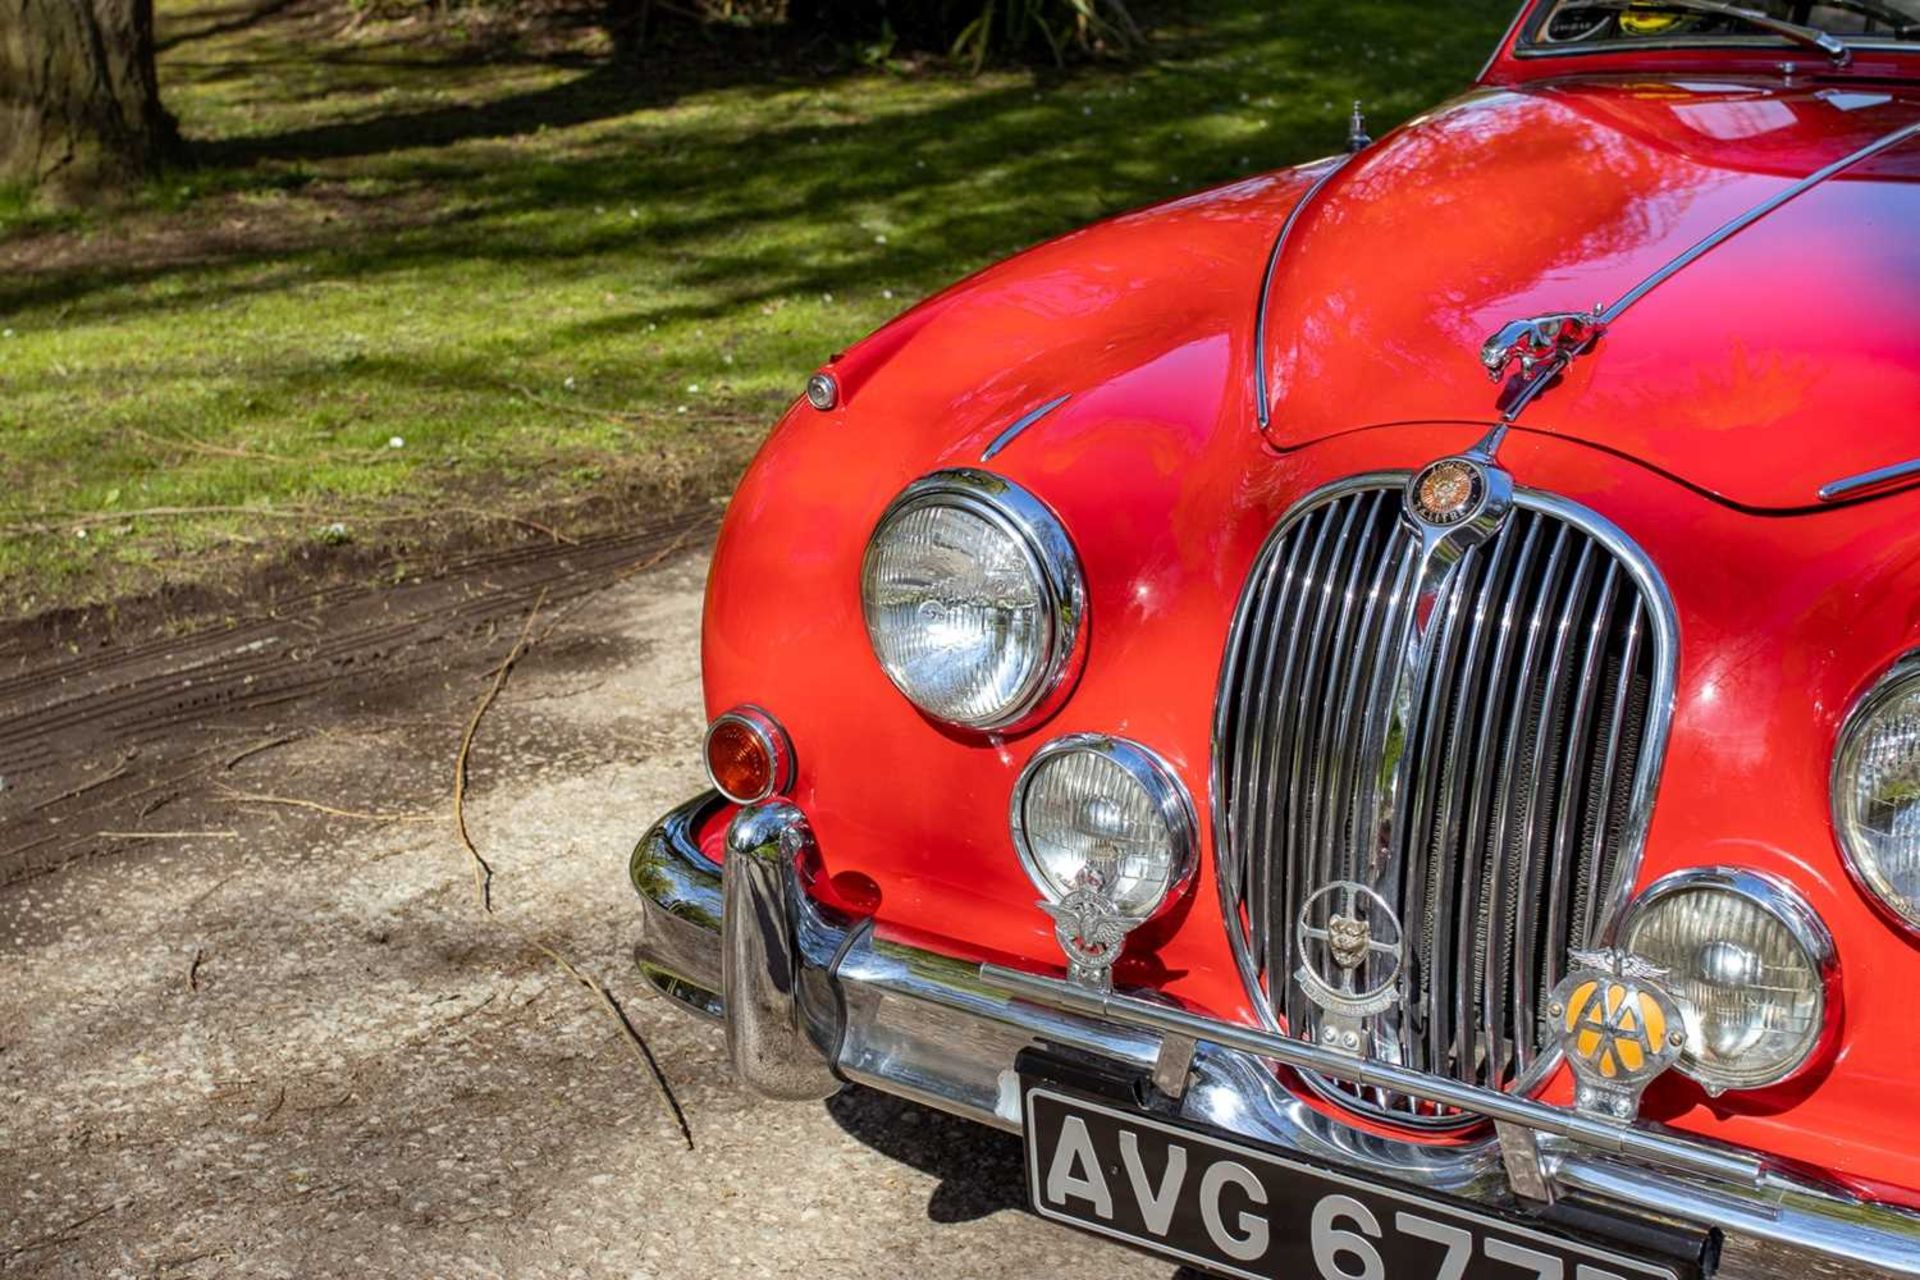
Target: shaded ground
302,1050
550,277
101,742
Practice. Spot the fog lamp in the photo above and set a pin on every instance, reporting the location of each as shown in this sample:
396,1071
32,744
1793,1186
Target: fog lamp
748,755
1100,812
1752,965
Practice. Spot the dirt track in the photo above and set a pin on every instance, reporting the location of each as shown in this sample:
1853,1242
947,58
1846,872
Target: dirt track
300,1049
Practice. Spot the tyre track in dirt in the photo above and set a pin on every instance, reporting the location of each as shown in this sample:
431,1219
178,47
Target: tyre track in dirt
97,742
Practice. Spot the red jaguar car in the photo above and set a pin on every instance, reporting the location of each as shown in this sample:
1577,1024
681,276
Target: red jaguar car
1372,712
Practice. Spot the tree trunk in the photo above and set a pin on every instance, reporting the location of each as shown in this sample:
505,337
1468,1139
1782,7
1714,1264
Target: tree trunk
80,111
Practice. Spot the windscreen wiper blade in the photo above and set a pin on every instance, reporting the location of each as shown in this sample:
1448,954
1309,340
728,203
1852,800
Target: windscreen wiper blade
1813,37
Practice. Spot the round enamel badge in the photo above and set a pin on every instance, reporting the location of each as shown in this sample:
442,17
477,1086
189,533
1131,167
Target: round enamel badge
1446,492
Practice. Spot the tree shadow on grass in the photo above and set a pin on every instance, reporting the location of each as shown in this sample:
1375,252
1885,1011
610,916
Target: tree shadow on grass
224,21
718,211
720,58
603,92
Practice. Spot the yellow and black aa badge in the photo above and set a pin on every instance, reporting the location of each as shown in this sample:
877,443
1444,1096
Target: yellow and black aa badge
1618,1028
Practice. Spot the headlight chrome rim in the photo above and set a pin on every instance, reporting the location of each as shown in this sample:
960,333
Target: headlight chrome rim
1783,902
1147,768
1049,552
1898,680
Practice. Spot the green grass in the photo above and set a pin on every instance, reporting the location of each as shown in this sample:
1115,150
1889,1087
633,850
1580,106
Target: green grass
389,238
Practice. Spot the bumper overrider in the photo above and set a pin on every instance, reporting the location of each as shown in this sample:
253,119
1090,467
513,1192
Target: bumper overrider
811,1000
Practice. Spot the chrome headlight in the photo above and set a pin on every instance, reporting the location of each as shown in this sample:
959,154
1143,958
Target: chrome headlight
1752,964
1091,808
973,598
1876,790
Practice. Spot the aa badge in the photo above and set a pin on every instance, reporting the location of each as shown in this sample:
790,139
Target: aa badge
1618,1028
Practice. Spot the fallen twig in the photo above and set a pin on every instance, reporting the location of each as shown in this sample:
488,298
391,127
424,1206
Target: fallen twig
67,1232
534,525
639,566
187,1260
227,834
258,747
632,1034
58,522
193,445
159,802
120,771
362,815
482,873
193,969
584,410
9,855
338,1102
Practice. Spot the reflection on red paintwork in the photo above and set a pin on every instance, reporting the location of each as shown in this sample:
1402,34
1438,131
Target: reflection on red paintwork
1785,359
1559,197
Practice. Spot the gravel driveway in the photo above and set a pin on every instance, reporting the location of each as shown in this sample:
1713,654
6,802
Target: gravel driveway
295,1046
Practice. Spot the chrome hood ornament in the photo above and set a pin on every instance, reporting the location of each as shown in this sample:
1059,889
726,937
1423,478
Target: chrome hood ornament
1540,342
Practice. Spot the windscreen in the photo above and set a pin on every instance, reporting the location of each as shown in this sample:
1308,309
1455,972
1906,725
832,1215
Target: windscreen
1610,25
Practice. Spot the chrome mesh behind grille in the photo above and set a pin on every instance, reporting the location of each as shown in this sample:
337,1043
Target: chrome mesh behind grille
1489,773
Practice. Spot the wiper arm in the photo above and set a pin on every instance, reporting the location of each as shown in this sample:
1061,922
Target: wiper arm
1813,37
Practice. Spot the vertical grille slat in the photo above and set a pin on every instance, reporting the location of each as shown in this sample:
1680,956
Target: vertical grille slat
1530,982
1563,913
1474,737
1618,730
1505,1015
1420,900
1278,588
1301,856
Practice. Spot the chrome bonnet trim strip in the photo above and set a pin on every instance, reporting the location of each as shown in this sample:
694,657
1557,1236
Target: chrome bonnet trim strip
1870,481
1736,225
1670,1152
1260,407
1524,391
1020,424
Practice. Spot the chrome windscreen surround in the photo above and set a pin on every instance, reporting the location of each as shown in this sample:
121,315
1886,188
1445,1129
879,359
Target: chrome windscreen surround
1049,553
1377,663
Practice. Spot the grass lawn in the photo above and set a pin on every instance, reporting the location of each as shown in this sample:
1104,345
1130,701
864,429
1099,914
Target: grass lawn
425,279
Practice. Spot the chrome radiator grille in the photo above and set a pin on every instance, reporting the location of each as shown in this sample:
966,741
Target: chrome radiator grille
1475,736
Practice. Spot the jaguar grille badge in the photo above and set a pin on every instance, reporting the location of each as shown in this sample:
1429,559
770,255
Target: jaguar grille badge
1350,959
1618,1027
1447,492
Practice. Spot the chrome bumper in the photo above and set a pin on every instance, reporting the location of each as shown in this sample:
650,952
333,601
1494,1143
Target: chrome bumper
811,1000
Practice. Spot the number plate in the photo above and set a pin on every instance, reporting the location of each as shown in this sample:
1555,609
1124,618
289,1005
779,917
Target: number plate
1240,1211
